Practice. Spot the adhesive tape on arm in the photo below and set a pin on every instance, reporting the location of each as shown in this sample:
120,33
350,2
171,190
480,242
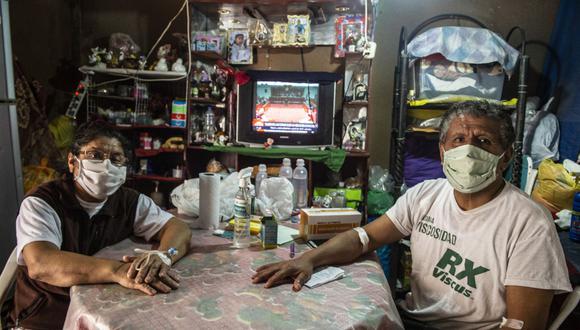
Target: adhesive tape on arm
363,237
164,258
511,323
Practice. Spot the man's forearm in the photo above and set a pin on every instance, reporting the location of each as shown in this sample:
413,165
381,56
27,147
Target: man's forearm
175,234
343,248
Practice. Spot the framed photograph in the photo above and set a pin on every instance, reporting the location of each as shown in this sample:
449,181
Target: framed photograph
298,30
214,44
349,35
280,34
200,43
239,49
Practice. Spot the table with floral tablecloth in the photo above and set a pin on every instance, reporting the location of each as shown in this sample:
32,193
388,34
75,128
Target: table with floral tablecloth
216,293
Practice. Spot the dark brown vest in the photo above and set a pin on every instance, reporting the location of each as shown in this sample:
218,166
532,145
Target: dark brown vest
39,305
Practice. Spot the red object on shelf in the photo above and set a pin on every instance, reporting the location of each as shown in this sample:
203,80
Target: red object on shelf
157,178
154,152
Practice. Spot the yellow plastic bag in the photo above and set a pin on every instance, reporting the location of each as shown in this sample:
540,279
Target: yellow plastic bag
35,175
62,130
555,187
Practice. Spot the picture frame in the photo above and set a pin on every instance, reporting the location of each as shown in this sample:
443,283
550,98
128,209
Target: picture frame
209,43
239,47
214,44
280,34
298,30
349,35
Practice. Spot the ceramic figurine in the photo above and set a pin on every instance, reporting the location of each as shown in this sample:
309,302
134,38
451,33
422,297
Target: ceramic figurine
204,76
142,62
178,66
161,65
96,57
215,92
268,144
360,89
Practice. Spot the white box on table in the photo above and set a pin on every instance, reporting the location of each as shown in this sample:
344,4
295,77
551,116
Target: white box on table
319,223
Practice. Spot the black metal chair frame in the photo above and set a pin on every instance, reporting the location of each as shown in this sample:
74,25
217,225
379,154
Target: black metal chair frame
401,90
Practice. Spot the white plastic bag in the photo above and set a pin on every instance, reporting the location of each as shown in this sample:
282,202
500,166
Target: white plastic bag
276,197
186,196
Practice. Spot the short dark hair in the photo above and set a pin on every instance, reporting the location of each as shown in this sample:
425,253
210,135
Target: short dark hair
92,130
480,109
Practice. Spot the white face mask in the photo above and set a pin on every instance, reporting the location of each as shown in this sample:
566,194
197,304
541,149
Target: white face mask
100,178
470,169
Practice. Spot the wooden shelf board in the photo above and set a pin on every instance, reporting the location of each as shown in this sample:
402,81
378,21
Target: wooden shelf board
140,152
361,154
201,100
113,97
356,103
208,55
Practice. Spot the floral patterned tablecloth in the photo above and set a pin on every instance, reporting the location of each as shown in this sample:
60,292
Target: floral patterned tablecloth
216,293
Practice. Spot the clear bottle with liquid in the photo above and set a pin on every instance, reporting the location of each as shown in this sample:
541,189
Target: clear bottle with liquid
286,169
262,174
300,182
242,236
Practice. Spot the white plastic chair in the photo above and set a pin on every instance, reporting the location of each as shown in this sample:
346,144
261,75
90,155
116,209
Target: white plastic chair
7,278
567,307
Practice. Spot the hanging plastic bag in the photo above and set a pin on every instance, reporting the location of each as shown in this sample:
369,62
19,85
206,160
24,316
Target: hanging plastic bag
276,197
380,179
555,187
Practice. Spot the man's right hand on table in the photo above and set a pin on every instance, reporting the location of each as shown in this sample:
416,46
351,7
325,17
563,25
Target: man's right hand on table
296,270
158,284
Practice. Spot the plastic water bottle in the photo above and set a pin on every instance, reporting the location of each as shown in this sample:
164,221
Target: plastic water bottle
300,182
575,221
242,216
262,174
286,169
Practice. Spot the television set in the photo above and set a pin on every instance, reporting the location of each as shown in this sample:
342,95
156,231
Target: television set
296,109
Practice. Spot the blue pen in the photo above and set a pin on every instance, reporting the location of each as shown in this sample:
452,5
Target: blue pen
292,250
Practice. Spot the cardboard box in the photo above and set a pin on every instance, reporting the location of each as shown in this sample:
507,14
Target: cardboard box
326,223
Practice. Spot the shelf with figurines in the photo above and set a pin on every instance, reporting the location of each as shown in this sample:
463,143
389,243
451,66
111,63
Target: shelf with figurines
124,58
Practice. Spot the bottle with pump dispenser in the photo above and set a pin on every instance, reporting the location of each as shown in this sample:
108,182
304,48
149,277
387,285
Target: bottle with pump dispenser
286,169
242,214
300,182
262,174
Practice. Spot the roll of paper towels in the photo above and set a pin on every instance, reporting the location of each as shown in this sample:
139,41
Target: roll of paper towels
209,200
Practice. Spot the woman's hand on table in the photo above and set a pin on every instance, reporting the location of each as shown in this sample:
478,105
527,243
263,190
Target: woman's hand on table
297,271
151,269
120,277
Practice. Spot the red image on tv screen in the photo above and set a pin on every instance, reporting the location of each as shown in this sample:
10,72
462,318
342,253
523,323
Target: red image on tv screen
286,107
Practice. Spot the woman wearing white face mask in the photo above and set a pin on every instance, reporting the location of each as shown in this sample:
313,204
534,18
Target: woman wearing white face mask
482,250
63,222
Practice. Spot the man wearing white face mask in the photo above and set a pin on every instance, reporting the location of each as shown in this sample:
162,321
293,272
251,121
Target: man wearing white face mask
63,222
485,256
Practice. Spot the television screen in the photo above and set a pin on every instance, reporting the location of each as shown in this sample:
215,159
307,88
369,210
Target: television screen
286,107
295,109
